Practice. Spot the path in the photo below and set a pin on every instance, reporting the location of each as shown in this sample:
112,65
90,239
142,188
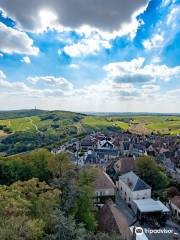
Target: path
34,125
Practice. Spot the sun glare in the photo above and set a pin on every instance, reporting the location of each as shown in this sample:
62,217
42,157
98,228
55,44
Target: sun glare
47,17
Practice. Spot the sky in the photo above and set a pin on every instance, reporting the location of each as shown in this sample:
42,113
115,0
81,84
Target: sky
104,56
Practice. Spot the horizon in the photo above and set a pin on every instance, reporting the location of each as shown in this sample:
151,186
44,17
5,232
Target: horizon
95,112
110,57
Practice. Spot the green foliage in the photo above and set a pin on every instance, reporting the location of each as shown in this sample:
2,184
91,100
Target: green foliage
34,131
69,188
77,195
66,228
24,167
151,173
26,208
85,207
59,164
21,228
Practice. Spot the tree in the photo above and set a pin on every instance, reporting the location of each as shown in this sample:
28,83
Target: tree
24,167
65,228
151,173
39,161
21,228
59,164
26,208
12,170
69,187
85,205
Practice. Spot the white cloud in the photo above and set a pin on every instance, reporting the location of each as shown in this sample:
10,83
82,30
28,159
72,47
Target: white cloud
51,81
172,16
74,66
104,96
3,82
86,46
116,17
135,72
155,42
156,59
14,86
165,3
26,60
165,29
14,41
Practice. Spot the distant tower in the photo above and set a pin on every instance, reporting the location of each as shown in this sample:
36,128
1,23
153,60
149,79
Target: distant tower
35,108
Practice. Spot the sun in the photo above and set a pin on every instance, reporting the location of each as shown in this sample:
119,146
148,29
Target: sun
47,17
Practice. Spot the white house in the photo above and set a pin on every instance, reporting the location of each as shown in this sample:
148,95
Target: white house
131,187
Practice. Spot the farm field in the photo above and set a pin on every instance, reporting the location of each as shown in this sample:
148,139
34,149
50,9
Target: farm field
137,124
159,124
103,123
57,121
26,131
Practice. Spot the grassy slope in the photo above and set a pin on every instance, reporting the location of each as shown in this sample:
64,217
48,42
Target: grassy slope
163,124
103,122
29,123
144,124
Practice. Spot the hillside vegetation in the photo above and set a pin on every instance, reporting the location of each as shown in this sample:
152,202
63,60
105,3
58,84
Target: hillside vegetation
25,130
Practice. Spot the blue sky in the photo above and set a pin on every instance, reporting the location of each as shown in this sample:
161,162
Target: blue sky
113,56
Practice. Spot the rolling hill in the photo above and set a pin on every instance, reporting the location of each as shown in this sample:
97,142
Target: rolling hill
25,130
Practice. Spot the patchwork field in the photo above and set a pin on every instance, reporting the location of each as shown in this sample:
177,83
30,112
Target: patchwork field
137,124
159,124
27,130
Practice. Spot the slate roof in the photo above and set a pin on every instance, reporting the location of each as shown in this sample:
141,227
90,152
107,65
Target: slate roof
113,152
107,144
126,145
139,147
91,158
134,182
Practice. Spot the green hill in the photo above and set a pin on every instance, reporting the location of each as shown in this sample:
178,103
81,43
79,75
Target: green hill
25,130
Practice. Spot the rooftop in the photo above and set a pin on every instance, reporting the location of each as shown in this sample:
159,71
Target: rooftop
104,181
176,201
125,164
150,205
134,182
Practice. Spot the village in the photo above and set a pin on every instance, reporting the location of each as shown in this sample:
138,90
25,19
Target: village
125,202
